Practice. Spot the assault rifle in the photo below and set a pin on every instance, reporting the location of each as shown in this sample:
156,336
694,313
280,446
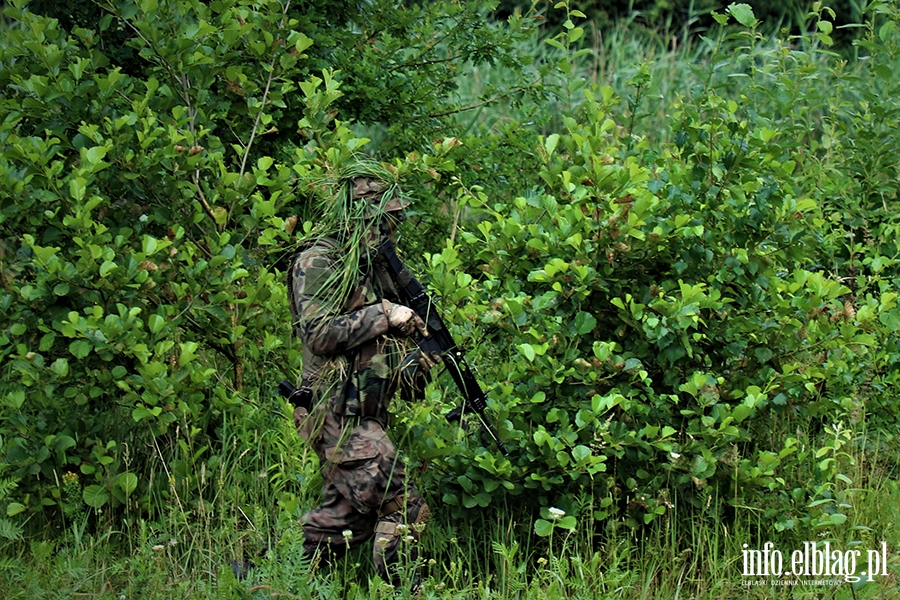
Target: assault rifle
439,341
301,398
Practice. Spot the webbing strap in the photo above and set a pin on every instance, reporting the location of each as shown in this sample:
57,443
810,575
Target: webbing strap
386,527
391,506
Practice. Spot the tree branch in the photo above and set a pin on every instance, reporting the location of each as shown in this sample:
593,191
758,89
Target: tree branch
472,107
262,107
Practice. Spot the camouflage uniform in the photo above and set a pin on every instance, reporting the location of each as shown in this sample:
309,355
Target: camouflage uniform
354,364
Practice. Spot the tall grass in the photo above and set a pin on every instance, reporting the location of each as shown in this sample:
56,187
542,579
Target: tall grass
649,69
692,552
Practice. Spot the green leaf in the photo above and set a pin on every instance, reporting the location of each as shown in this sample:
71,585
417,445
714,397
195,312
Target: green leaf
188,353
95,155
95,496
128,482
741,412
80,348
528,351
107,267
543,528
762,354
555,43
743,13
15,399
883,71
14,508
60,366
720,18
301,41
890,319
575,34
551,142
155,323
142,412
63,443
632,364
149,245
287,61
77,187
581,453
220,215
483,499
10,530
585,323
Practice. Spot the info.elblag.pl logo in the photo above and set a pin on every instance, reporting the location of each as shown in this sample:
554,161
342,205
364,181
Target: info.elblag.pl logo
817,560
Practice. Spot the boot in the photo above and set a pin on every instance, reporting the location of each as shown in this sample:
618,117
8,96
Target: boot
402,521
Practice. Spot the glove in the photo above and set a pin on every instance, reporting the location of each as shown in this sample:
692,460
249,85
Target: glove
427,360
403,319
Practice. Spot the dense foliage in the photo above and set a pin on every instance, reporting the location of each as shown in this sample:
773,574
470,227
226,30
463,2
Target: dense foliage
146,204
678,16
690,319
663,315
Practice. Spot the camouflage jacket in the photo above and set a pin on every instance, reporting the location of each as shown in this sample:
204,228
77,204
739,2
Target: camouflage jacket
346,349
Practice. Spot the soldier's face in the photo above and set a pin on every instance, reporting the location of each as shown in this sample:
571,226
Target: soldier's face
392,221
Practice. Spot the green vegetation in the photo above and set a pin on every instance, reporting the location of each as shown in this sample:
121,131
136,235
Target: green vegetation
674,262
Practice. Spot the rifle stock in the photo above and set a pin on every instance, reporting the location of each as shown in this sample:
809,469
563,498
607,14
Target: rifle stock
298,398
440,341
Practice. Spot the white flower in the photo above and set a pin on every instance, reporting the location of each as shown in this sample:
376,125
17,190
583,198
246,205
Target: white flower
674,455
347,534
556,513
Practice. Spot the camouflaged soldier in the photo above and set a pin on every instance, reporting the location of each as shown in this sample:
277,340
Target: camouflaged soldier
357,351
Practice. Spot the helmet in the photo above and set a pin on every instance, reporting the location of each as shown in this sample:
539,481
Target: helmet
373,190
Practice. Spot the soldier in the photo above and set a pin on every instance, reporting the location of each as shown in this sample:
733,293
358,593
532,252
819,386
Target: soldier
358,349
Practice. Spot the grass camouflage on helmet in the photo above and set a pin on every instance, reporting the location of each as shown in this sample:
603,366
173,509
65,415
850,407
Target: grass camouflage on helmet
354,201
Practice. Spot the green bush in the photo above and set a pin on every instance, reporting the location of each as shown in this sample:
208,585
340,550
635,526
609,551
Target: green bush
661,321
149,199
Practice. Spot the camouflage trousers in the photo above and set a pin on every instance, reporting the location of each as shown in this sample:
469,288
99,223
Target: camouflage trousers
366,493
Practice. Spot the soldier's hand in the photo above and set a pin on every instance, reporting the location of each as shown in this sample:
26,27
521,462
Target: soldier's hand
427,360
403,318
